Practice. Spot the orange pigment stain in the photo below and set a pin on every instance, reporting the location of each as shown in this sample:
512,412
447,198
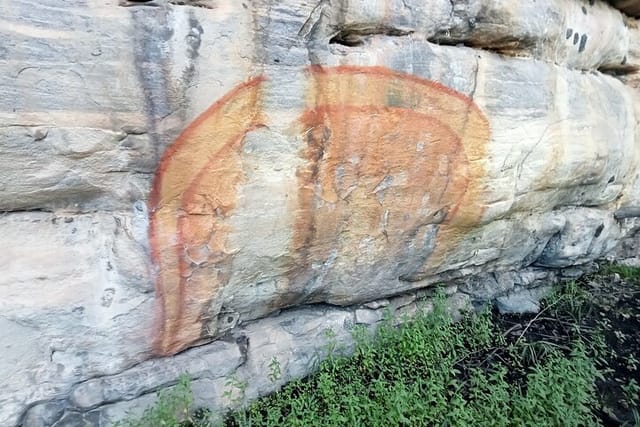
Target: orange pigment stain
193,192
385,154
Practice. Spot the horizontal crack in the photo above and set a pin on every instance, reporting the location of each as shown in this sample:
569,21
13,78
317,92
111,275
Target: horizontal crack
507,46
355,35
206,4
129,3
619,70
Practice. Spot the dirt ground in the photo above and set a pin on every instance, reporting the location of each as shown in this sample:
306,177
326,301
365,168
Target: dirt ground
603,310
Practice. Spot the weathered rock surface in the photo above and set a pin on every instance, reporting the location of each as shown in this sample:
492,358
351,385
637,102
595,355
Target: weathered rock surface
178,174
630,7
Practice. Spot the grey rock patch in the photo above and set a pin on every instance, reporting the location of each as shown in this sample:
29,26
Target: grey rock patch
43,414
368,317
522,300
211,361
374,305
401,301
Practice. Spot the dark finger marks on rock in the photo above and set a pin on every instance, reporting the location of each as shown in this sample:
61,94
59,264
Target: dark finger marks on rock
583,43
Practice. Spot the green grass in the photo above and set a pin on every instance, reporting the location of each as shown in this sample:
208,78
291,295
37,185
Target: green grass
434,371
572,364
172,408
626,272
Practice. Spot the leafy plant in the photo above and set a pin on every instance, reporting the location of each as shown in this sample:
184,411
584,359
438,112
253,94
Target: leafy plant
432,371
484,370
275,371
172,408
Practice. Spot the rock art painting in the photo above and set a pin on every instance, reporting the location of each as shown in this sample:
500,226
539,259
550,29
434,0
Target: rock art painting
390,177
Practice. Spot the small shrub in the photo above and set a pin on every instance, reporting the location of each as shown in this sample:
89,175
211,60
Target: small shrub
484,370
432,371
172,408
626,272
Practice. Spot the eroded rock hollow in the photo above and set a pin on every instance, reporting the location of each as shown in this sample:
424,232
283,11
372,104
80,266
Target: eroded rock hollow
203,186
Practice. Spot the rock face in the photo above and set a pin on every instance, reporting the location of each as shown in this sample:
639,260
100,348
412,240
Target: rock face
630,7
241,177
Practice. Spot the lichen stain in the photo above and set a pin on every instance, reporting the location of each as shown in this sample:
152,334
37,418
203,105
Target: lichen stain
194,191
386,154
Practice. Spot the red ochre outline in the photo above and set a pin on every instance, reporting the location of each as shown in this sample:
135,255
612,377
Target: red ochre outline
182,143
319,70
154,204
383,71
182,139
187,196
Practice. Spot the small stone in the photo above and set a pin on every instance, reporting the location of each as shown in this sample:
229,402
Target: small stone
517,303
401,301
405,313
367,317
522,300
449,290
133,130
458,304
483,286
227,320
572,272
40,134
374,305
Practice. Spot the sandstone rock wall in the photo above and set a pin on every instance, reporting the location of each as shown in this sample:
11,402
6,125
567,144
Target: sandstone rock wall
246,175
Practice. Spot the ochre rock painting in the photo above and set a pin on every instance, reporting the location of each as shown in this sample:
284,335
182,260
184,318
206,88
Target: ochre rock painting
194,190
388,154
387,158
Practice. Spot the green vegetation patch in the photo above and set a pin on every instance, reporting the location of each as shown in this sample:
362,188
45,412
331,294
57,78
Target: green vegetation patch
433,371
572,364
